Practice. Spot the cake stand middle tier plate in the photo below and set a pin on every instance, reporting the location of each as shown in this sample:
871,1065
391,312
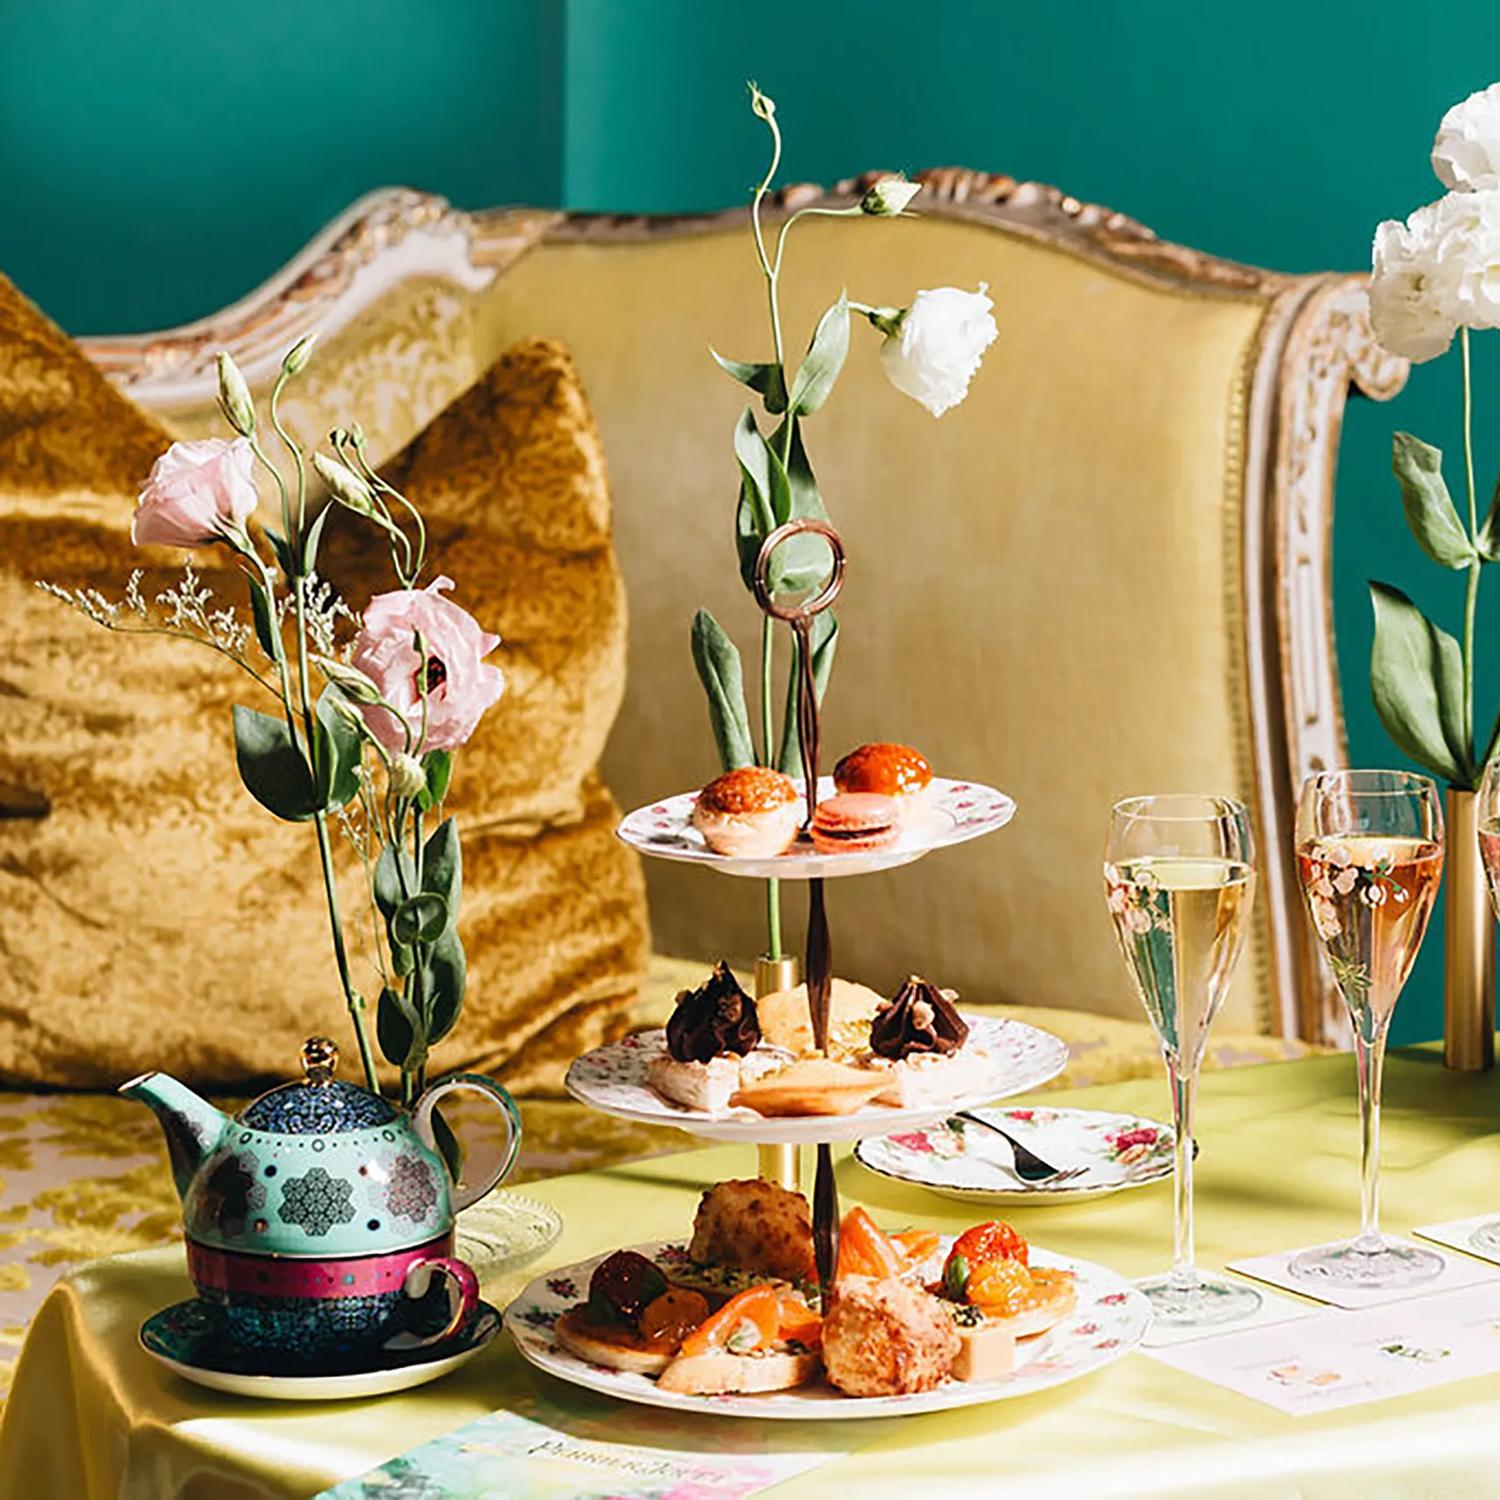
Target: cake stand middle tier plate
612,1078
956,811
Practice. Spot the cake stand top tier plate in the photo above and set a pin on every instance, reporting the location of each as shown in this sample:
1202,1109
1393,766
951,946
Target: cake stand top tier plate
957,811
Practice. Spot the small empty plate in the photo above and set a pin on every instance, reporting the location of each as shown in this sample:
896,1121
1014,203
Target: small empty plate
960,1159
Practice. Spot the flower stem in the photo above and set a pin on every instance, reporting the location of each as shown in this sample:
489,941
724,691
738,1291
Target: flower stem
352,997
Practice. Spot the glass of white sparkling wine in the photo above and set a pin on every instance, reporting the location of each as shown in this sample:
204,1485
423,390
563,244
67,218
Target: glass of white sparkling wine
1369,858
1179,873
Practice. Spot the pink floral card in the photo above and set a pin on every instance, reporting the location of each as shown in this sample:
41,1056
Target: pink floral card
510,1455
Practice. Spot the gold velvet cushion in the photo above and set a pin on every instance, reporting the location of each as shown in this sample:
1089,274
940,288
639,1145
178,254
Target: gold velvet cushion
153,915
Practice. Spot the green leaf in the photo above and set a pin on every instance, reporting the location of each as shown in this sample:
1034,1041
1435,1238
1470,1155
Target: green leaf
755,517
272,767
282,548
825,640
1429,508
768,500
717,659
403,959
447,1144
765,379
439,767
339,750
264,615
824,359
1489,532
398,1029
419,919
442,866
395,878
444,976
1416,678
313,537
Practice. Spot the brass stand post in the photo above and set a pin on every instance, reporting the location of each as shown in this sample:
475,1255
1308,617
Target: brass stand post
1468,945
779,1164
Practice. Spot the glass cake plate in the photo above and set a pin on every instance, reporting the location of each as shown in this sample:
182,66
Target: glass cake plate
956,812
612,1078
1109,1321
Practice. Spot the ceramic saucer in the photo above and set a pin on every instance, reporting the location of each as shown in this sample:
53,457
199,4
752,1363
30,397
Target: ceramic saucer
186,1339
962,1160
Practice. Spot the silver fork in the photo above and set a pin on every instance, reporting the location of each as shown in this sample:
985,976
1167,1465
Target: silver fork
1027,1165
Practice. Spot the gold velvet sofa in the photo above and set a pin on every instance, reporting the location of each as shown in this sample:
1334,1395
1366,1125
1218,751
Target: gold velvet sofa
1105,573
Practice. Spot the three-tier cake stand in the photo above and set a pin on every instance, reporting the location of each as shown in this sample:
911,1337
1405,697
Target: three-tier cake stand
964,810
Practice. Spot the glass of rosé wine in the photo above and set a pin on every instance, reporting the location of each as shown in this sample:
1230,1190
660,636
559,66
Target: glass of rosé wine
1369,858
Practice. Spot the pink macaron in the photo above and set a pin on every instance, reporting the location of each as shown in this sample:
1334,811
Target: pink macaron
855,822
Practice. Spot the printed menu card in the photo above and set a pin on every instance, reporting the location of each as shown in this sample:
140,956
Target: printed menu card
1339,1359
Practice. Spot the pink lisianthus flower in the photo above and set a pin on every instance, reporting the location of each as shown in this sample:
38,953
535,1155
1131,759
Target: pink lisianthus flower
460,687
196,493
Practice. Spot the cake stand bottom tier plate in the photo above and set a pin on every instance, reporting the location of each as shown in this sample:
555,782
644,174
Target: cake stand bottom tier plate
1109,1322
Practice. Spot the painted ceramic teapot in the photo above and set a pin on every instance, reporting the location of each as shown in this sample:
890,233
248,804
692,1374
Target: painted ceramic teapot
319,1220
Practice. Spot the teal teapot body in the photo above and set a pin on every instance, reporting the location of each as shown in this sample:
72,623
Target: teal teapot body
319,1215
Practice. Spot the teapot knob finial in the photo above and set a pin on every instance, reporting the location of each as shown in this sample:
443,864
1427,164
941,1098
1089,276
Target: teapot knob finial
320,1057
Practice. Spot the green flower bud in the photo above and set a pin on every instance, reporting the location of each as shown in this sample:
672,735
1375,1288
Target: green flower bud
344,484
761,105
298,355
234,397
407,776
888,197
350,681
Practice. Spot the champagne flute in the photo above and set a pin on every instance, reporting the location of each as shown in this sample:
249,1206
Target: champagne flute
1369,856
1180,876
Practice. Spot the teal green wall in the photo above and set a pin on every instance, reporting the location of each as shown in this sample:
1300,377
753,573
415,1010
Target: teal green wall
158,159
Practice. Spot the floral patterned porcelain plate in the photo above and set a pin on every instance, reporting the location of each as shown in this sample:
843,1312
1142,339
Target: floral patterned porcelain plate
1110,1319
962,1160
612,1078
958,811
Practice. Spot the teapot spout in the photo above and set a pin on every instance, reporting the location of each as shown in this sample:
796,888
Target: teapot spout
191,1124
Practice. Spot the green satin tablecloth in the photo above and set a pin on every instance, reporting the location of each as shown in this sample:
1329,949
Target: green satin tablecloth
92,1417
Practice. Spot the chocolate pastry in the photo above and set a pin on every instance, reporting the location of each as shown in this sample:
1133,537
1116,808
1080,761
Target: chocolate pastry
920,1019
716,1018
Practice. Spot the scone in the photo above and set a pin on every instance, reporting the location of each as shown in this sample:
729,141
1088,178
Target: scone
886,1338
751,813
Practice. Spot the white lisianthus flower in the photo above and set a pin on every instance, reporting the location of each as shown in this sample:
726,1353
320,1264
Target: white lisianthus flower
1464,249
1407,310
933,350
1466,153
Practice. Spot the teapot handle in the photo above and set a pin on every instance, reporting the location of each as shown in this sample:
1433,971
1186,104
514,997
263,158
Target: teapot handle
465,1194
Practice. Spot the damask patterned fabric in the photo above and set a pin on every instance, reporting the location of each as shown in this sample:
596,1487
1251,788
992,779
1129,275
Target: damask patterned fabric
84,1175
153,915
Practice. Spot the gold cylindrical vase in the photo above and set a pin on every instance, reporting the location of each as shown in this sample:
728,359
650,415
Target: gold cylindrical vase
779,1164
1468,944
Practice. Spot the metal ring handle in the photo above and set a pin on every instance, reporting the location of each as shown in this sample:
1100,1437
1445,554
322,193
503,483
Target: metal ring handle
831,585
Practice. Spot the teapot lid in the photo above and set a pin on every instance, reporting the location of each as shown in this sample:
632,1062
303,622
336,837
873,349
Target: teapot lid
318,1104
